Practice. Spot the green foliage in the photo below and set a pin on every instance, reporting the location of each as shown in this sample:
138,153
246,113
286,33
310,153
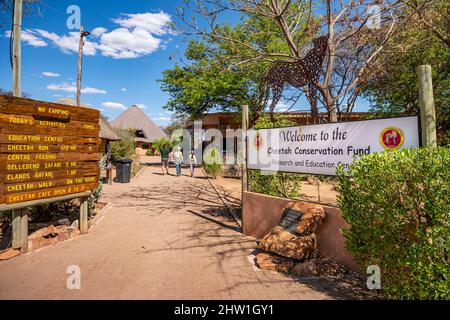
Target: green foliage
124,148
277,184
212,162
394,90
216,77
157,145
280,121
398,207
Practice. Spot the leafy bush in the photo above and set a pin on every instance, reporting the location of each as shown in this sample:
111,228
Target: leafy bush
157,145
212,162
150,152
124,148
278,184
398,206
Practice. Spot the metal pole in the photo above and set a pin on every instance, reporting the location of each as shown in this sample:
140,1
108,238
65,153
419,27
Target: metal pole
426,104
17,48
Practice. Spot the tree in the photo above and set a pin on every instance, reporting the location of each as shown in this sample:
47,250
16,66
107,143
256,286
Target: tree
354,41
214,80
434,15
393,88
202,86
30,7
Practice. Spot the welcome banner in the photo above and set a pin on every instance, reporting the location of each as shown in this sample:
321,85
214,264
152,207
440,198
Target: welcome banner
319,149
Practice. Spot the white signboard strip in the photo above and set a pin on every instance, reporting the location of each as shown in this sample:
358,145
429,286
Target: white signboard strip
319,149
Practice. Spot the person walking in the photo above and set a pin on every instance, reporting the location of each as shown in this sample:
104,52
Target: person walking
165,152
192,162
178,159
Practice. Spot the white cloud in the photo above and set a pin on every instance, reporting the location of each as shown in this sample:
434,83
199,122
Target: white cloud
125,44
71,87
49,74
29,38
123,89
68,43
137,36
154,23
113,105
141,105
97,32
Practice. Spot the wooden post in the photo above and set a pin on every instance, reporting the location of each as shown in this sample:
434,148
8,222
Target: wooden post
244,149
84,227
20,229
16,229
80,62
426,104
24,230
17,30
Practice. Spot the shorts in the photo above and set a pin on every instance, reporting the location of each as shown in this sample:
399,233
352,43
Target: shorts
165,162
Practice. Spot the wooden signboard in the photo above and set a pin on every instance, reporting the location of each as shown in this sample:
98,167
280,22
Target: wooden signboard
46,150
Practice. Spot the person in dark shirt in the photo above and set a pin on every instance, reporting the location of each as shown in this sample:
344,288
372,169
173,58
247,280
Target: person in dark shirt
165,151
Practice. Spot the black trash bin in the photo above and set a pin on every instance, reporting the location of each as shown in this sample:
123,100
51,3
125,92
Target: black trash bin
123,172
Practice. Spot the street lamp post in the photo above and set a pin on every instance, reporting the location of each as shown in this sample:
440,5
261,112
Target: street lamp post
80,62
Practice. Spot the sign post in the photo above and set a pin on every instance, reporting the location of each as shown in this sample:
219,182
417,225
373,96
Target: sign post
48,152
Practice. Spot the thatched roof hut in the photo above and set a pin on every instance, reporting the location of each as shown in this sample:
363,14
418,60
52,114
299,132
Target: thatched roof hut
145,129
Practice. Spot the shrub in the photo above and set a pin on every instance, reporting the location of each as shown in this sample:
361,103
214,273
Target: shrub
212,162
278,184
157,145
124,148
398,207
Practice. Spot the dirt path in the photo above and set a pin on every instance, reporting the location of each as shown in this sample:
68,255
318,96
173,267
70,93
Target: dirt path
158,241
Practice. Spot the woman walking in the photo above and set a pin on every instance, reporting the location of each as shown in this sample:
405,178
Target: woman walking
178,159
192,162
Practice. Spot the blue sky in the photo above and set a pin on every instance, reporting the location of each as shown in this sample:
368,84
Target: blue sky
122,63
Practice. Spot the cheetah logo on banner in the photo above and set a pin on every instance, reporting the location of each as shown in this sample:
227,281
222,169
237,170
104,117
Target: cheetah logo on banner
392,138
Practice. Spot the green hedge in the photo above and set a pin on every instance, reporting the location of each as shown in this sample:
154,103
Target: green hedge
212,162
398,206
